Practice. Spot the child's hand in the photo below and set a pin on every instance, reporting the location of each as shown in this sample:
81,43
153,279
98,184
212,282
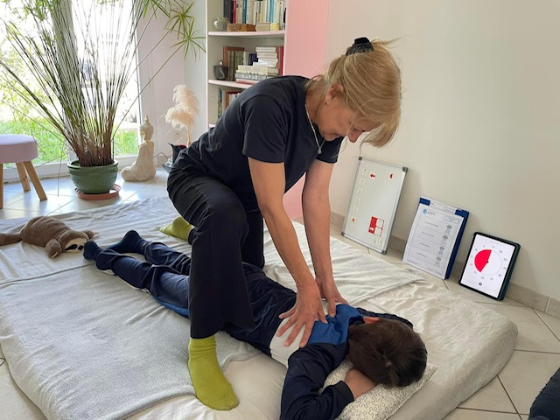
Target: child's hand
358,382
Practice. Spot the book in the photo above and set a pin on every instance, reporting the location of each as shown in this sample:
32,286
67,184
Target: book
281,60
247,58
229,60
266,49
279,12
231,64
249,15
241,77
220,101
238,59
272,55
246,81
239,12
268,62
261,11
257,69
225,98
264,11
228,12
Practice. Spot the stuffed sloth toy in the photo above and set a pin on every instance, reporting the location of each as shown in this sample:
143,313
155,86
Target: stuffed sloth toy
50,233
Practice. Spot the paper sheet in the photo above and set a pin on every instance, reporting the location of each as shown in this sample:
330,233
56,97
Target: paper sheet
432,238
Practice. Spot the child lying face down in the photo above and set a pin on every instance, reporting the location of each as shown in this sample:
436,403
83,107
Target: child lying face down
383,348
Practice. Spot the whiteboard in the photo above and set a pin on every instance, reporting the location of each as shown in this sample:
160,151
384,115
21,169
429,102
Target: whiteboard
373,204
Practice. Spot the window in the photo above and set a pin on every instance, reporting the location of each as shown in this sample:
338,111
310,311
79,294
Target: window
17,116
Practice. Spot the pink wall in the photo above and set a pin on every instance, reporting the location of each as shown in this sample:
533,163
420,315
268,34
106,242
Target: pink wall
306,33
306,30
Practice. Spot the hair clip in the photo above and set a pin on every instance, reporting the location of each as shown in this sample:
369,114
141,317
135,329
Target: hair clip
360,45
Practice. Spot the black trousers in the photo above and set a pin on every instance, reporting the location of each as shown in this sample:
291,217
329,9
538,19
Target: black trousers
225,236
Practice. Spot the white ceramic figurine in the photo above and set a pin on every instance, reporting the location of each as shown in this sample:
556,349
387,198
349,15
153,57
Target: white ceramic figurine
143,169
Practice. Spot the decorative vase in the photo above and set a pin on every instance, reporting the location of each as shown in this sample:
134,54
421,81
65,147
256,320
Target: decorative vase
176,148
220,71
93,179
221,23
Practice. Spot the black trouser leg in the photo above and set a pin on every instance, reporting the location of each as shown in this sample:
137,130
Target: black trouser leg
252,251
218,292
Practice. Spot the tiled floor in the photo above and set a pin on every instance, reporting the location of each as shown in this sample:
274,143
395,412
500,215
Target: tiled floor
507,397
63,199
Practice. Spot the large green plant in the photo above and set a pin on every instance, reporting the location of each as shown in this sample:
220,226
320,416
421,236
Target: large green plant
81,88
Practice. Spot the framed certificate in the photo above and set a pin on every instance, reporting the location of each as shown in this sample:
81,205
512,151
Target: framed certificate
489,265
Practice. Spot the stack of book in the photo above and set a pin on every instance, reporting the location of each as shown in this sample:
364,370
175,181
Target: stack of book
254,73
270,56
233,57
251,68
248,67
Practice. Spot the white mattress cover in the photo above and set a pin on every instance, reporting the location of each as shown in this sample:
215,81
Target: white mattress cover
467,342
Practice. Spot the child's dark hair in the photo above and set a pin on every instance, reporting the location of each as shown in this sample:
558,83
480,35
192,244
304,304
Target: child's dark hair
387,351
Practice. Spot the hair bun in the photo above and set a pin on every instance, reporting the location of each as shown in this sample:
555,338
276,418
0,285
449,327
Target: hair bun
360,45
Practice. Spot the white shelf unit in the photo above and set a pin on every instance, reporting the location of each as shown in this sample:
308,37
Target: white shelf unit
216,41
228,83
255,34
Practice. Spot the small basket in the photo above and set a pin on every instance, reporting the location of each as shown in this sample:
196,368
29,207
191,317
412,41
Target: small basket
241,27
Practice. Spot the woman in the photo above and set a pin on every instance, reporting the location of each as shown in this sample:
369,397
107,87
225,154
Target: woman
236,174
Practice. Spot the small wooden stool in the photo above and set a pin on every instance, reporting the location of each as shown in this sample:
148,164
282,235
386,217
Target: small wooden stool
21,150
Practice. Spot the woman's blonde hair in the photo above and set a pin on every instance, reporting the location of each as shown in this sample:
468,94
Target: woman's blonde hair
371,83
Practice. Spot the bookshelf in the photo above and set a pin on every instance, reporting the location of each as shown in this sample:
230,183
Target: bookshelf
304,41
216,41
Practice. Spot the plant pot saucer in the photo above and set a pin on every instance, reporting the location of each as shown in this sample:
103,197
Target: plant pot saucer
105,196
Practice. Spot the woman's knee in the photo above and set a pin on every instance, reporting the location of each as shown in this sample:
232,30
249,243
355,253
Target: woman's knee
228,216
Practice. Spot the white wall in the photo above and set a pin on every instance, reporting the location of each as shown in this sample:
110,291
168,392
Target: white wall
157,97
195,69
190,70
480,127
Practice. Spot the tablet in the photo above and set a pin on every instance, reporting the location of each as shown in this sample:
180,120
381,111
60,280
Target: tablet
489,265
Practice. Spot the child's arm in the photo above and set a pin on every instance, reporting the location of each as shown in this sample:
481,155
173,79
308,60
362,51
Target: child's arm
308,369
358,382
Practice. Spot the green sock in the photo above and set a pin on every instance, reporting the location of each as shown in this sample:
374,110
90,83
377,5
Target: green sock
211,386
180,228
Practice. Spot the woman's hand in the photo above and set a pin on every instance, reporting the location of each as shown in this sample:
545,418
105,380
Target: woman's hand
358,383
306,311
329,291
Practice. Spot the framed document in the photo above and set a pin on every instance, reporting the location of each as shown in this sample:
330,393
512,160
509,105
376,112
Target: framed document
435,236
489,265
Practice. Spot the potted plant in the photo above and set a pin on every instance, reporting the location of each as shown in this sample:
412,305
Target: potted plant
82,74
